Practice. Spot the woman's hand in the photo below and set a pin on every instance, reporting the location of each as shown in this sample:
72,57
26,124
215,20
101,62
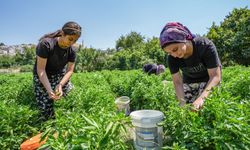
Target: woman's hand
58,90
182,102
198,103
53,96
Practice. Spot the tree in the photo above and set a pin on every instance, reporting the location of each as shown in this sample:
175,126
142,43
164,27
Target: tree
128,41
27,57
232,37
154,51
6,61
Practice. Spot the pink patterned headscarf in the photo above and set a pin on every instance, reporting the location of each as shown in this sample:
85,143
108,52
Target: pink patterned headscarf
174,32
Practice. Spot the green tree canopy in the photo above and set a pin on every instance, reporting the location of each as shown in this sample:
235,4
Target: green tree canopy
232,37
128,41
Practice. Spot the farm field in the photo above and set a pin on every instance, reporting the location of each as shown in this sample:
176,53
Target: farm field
87,117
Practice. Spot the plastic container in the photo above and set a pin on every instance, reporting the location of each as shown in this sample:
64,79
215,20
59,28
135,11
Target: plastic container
122,104
147,134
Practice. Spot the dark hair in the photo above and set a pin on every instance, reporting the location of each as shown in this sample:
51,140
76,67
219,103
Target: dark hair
69,28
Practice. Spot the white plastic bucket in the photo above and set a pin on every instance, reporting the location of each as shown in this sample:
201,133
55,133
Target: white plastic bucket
148,135
122,104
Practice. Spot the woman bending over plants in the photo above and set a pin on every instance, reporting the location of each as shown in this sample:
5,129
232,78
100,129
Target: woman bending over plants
153,69
198,60
55,61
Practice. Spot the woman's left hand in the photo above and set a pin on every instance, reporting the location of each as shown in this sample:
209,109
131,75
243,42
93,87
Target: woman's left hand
198,103
58,90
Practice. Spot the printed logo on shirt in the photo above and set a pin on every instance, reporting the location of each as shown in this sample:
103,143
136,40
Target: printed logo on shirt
199,68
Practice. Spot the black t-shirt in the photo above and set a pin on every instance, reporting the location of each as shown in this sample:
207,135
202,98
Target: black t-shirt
194,68
57,57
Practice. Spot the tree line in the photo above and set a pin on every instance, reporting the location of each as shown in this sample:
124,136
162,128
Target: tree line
132,51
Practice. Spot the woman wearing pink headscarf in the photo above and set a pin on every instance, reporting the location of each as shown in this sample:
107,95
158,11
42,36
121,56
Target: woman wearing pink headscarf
198,60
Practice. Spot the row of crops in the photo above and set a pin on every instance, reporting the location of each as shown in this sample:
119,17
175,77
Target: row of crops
87,117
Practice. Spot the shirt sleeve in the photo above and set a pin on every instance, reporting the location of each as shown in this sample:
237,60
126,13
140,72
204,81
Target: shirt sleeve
173,65
210,56
42,49
72,55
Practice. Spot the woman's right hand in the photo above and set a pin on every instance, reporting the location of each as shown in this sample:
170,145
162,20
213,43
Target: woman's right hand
182,102
53,96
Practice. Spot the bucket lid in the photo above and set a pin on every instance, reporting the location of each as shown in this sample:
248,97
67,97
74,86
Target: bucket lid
123,100
147,114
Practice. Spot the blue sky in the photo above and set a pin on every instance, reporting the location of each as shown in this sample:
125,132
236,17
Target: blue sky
104,21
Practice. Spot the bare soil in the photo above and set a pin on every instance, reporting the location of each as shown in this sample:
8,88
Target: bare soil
10,70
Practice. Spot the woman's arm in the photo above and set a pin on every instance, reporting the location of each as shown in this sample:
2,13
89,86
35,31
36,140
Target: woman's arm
214,79
178,85
66,77
70,70
41,64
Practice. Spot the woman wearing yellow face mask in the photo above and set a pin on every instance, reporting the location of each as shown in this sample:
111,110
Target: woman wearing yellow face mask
55,61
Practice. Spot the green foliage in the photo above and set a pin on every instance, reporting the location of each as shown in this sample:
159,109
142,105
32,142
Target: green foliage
25,58
85,57
87,117
154,51
89,59
6,61
134,57
232,37
236,79
26,68
128,41
18,114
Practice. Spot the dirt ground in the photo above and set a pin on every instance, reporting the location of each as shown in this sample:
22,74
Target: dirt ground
16,70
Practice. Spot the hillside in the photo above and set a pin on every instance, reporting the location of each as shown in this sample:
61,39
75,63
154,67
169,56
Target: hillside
13,49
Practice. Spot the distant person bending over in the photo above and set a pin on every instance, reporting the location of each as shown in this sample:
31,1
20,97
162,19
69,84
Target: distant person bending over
153,69
198,60
55,61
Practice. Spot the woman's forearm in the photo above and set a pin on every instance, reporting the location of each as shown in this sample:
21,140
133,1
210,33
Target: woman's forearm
179,91
214,81
68,74
178,85
44,79
66,78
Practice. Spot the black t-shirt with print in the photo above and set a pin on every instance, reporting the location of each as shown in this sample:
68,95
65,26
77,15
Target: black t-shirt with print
57,57
194,68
